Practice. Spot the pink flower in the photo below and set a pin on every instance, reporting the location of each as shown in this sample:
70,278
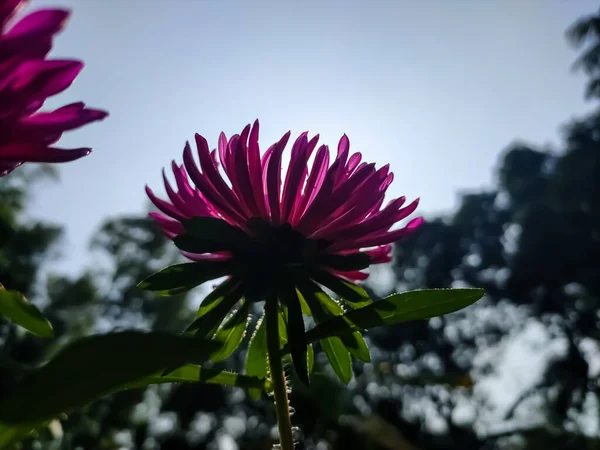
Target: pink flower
277,240
337,206
27,79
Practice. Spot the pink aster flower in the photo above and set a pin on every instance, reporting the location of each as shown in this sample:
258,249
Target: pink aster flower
338,205
277,240
27,79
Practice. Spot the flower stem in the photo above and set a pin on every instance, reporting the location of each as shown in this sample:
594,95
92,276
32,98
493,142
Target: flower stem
278,381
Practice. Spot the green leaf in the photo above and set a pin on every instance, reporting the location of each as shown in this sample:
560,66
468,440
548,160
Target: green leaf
15,307
181,278
354,342
282,318
232,332
216,296
217,230
350,292
93,367
338,357
208,323
256,356
310,358
397,308
209,235
191,373
304,306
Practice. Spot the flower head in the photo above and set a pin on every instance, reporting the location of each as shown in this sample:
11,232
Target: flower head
277,239
27,79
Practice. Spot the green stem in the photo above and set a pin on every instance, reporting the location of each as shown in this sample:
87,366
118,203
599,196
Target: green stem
278,382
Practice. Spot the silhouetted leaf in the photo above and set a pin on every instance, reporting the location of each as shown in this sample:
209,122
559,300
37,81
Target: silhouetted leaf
209,235
181,278
93,367
296,332
16,308
191,373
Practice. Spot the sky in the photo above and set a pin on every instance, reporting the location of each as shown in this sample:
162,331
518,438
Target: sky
437,88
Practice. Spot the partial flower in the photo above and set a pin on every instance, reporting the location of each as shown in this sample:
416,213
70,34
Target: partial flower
277,240
27,79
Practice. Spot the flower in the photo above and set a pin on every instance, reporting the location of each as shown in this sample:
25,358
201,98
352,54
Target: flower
277,243
27,79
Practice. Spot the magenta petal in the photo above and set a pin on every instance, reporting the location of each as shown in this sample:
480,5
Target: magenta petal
244,185
172,227
41,79
342,198
273,189
380,254
215,179
379,239
314,182
163,206
24,152
63,119
7,9
255,171
296,175
353,162
342,157
354,275
41,22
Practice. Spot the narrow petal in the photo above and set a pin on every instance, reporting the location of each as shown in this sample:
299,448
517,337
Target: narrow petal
314,182
44,22
42,79
208,190
164,206
63,119
378,239
273,189
296,175
255,171
244,190
214,178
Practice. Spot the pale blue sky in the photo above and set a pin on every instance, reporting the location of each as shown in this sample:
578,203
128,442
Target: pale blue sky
435,87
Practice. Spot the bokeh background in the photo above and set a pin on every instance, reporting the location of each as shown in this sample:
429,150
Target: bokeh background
487,111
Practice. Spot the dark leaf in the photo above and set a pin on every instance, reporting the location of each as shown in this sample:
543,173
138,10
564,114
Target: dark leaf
193,373
288,297
93,367
209,235
180,278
